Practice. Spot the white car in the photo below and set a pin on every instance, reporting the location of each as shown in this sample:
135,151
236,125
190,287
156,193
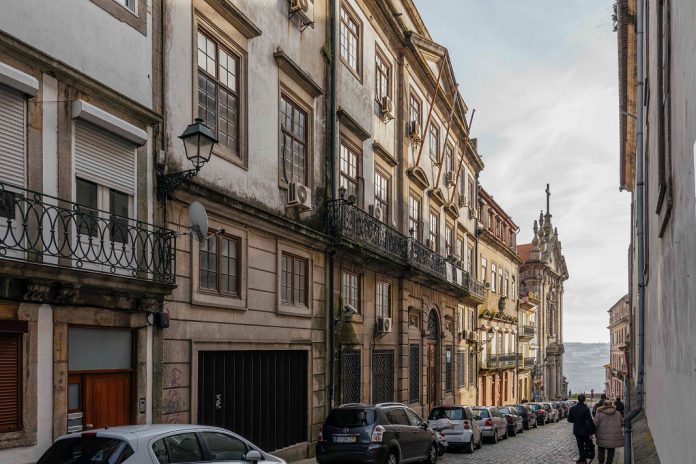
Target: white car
155,444
458,425
493,425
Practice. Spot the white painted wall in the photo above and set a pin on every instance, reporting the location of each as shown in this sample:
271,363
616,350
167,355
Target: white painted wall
84,36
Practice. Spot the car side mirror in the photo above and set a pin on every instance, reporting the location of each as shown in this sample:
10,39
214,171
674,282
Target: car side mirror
424,425
253,456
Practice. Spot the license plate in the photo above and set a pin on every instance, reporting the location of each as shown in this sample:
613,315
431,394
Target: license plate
345,438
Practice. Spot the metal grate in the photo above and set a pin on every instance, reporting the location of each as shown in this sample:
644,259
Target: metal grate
382,376
449,365
350,376
414,373
471,367
461,368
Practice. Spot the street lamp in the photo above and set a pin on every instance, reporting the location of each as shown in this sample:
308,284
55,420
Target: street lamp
198,141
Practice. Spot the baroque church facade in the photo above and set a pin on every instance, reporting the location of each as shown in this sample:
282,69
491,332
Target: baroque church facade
543,273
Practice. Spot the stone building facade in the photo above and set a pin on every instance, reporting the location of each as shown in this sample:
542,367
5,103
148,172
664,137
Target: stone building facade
543,272
658,135
527,347
404,215
618,332
498,315
82,267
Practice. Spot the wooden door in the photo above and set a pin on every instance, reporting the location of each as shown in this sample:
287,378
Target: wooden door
433,377
107,400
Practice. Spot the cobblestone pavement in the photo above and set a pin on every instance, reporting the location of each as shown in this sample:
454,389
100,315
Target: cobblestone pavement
550,444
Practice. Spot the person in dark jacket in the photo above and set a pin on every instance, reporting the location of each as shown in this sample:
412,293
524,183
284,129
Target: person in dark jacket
583,427
618,404
599,403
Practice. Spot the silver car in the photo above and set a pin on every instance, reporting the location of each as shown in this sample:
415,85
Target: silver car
458,425
156,444
493,425
552,412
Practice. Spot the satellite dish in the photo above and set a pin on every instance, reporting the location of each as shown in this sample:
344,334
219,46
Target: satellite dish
198,221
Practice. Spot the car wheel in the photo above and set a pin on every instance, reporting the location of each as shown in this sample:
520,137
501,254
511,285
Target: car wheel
507,434
392,458
470,447
432,454
494,439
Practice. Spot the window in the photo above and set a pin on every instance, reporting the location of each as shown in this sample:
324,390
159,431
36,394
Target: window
11,381
513,294
218,91
86,195
434,141
507,284
500,280
130,4
472,195
178,449
460,249
350,40
382,189
293,140
433,231
414,217
664,51
350,167
484,264
461,369
414,373
218,265
461,185
494,277
118,221
448,368
471,367
382,76
414,418
294,277
449,161
414,109
470,260
449,240
350,289
383,299
224,448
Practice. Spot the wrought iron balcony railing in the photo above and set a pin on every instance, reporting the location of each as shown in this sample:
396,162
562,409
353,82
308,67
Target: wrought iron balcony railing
39,228
527,330
501,361
350,223
527,363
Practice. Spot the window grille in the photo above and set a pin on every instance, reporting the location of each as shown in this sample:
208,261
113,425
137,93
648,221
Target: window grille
383,376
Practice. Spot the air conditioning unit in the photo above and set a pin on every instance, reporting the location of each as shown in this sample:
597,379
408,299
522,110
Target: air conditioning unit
304,9
387,108
414,131
450,179
384,324
299,195
376,211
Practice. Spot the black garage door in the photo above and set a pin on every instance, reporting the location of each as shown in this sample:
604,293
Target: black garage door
261,395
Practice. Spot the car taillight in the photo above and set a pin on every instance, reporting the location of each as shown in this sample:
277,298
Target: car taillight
489,423
377,434
466,425
321,434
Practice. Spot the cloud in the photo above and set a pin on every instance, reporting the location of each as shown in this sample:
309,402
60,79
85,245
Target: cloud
543,78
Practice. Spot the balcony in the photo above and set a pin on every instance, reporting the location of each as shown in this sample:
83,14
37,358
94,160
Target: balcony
501,361
527,331
527,363
361,231
51,240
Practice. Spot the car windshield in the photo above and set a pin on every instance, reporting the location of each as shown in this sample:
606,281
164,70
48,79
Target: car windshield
349,417
446,413
520,409
83,450
482,412
505,411
535,407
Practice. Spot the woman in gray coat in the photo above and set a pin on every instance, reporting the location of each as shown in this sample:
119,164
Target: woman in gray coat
609,432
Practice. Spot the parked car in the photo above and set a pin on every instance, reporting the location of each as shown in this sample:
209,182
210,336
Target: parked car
514,421
553,413
528,417
387,433
492,424
558,407
542,417
566,408
458,425
155,444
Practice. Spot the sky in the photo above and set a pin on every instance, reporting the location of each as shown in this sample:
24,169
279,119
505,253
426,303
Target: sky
543,78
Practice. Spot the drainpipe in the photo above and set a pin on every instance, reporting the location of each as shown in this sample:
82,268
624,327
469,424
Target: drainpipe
640,182
332,134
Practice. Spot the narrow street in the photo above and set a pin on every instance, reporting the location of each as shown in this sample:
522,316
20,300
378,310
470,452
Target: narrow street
551,444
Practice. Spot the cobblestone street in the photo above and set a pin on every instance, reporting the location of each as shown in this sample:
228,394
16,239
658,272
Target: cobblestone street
551,444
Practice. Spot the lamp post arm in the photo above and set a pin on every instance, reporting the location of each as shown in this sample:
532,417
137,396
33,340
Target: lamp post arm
167,183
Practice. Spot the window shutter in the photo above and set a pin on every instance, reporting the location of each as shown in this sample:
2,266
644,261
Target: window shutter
104,158
10,382
12,137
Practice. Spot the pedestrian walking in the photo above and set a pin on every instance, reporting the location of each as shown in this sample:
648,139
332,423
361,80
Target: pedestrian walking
583,429
618,404
608,421
599,403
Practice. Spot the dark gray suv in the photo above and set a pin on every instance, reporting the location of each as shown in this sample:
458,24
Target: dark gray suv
388,433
